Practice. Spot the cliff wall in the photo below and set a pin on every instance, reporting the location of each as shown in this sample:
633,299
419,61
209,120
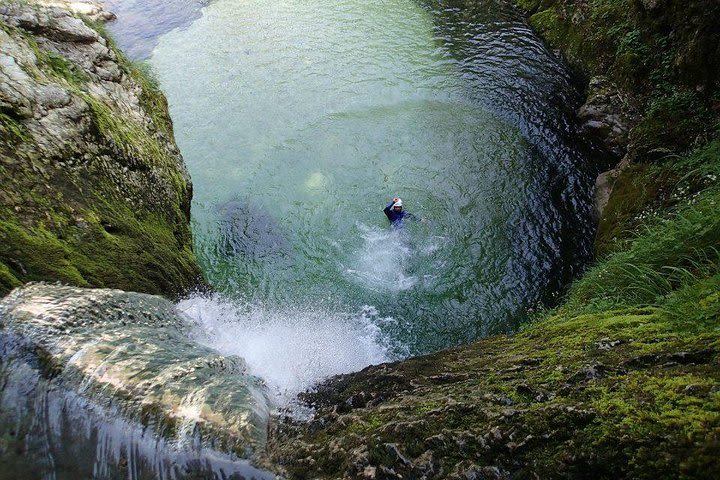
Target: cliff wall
652,72
94,189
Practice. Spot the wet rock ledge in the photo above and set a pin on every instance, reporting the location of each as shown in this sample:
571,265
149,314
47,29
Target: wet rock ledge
94,189
67,352
630,393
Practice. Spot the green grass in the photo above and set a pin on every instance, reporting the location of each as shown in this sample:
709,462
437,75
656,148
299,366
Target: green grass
646,192
675,250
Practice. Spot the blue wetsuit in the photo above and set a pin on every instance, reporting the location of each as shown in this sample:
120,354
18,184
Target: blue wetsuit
396,218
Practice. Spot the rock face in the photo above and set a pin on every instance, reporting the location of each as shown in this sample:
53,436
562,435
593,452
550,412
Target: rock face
95,192
92,9
570,397
126,353
608,115
652,68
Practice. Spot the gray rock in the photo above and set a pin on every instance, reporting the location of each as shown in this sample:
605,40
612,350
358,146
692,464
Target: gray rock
78,134
608,115
604,185
93,9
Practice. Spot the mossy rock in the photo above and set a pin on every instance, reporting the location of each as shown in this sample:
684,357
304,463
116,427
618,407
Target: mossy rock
101,198
630,393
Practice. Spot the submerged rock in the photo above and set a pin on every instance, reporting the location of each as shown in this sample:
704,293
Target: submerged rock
95,191
248,231
124,357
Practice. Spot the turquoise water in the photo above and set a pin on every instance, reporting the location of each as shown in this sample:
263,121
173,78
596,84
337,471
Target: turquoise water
299,120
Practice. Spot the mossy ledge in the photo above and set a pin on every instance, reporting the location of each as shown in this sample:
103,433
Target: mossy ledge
95,191
622,380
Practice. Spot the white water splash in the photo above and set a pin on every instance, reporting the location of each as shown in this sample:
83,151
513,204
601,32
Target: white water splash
382,262
291,349
390,260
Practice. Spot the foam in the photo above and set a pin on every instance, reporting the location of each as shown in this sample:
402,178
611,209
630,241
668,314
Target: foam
290,349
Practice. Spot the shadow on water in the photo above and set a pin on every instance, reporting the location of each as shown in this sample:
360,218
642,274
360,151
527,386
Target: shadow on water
248,232
140,23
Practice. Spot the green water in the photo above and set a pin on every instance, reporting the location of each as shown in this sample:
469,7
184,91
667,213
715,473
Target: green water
300,120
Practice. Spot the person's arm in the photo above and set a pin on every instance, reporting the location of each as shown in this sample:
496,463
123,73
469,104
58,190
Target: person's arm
388,208
410,216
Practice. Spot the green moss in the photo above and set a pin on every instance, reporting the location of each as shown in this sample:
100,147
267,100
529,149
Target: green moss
36,255
664,56
633,198
61,68
672,122
8,281
49,62
141,254
530,6
151,99
644,192
550,26
13,130
649,408
135,141
614,424
127,135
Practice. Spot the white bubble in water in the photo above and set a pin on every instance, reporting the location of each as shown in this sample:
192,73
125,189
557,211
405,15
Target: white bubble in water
381,263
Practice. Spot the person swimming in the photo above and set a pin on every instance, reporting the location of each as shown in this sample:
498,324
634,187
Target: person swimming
395,213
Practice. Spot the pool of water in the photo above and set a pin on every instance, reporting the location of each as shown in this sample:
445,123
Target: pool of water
300,120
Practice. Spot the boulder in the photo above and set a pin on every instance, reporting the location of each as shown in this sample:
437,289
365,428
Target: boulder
95,191
608,115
